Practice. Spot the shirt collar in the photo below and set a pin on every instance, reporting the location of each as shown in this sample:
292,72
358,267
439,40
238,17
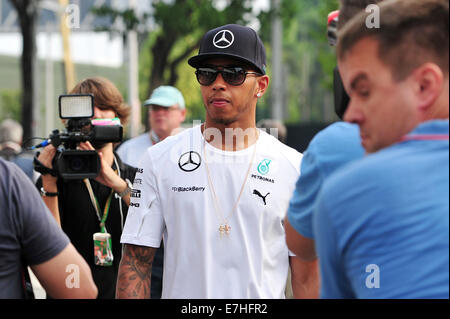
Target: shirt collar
432,127
154,137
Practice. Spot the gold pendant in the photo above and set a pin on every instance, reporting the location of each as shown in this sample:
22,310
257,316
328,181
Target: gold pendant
224,229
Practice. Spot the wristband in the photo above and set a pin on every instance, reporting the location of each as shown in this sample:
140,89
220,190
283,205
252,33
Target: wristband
127,190
47,194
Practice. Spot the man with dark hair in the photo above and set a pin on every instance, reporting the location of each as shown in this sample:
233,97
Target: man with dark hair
332,148
217,192
382,223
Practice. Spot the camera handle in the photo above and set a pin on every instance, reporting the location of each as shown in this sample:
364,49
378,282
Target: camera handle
40,168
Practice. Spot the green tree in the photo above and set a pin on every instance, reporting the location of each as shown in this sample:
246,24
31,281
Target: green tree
180,25
308,59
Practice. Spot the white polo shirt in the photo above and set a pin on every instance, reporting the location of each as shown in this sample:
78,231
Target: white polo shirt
172,197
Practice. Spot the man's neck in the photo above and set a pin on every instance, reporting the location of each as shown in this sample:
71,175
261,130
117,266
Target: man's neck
231,137
440,108
154,138
439,112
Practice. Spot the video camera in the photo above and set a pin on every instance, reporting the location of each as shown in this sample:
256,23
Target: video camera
70,163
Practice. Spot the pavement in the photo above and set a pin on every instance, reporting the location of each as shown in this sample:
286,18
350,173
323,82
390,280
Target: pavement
39,292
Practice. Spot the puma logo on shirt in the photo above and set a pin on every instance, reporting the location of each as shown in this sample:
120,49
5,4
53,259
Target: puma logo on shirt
257,193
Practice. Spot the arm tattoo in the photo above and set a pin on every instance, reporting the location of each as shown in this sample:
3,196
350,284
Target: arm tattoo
135,272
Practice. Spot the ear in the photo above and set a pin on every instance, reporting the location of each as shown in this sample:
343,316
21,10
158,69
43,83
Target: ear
262,85
429,84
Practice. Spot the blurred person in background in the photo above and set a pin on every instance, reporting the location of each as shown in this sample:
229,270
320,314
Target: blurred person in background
11,147
167,110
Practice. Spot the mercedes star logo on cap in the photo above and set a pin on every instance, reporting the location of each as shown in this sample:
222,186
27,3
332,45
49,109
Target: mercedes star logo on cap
223,39
189,161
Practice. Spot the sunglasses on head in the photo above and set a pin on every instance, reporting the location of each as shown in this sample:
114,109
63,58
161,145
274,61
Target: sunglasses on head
232,75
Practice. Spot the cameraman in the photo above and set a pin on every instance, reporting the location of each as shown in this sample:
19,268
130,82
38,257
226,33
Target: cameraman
86,207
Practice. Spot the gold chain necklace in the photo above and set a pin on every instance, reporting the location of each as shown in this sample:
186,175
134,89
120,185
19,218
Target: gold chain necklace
224,227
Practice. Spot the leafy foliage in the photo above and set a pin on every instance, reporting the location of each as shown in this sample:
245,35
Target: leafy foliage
10,106
179,25
308,59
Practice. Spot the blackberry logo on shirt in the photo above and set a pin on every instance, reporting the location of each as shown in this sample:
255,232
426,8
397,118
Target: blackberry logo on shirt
180,189
189,161
257,193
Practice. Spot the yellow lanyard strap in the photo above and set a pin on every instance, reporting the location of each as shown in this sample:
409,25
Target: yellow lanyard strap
96,205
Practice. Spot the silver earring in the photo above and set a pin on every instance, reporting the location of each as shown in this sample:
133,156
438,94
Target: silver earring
259,95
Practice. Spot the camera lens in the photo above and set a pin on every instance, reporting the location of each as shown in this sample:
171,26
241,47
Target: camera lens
76,164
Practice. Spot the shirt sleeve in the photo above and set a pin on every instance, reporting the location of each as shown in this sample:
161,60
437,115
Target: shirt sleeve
144,225
41,237
123,152
307,188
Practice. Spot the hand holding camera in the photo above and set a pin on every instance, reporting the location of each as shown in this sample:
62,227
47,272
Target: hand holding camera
68,161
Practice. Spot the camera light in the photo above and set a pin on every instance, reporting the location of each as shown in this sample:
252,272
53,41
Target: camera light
76,106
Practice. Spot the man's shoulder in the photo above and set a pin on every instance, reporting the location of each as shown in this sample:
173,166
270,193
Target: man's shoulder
9,170
272,141
187,140
334,147
337,137
281,150
362,177
142,139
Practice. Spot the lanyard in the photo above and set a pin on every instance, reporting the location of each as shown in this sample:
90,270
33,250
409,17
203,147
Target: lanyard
96,205
425,137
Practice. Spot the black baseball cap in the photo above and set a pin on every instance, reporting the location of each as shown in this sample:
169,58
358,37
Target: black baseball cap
234,41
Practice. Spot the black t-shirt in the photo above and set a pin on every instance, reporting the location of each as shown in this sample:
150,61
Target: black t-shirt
79,221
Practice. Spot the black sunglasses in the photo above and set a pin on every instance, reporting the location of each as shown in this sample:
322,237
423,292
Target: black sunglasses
232,75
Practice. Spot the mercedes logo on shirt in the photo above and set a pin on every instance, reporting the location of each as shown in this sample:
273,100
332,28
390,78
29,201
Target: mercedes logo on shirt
223,39
189,161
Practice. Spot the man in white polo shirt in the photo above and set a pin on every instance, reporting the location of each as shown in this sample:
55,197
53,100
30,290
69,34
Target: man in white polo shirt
217,193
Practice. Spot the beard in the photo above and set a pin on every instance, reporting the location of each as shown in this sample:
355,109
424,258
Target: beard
225,122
